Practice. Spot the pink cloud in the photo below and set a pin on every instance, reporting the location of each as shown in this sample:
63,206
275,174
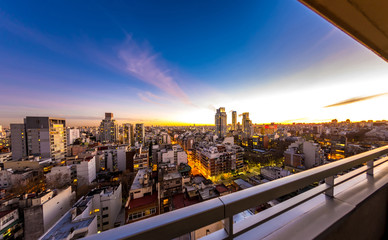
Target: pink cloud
141,63
150,98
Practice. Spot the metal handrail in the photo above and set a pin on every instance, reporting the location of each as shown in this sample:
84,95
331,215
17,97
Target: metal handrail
179,222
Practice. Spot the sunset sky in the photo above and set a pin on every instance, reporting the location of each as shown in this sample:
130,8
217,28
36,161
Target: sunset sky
167,62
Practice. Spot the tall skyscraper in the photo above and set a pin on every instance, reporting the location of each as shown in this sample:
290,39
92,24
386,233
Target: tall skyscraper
108,129
246,124
139,133
129,137
18,141
234,120
220,122
42,136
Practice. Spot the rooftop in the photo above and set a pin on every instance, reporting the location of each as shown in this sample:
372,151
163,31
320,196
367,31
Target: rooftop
221,188
138,181
143,201
242,184
66,226
172,175
180,201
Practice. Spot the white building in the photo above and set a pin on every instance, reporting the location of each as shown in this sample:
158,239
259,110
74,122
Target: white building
176,155
76,223
9,178
272,173
44,211
106,205
5,179
142,184
62,175
86,169
72,135
165,138
115,158
312,153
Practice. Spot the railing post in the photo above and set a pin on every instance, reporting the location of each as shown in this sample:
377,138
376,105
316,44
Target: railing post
330,182
228,226
369,164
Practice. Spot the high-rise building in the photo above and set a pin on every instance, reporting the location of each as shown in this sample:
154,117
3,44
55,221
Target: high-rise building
18,141
108,129
220,122
42,136
245,118
139,133
128,135
246,124
234,120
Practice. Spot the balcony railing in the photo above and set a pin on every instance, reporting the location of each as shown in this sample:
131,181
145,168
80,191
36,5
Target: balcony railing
180,222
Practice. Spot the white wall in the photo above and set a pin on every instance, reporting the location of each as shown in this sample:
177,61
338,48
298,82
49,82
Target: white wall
168,156
182,157
86,171
114,204
72,135
5,179
121,159
56,207
59,171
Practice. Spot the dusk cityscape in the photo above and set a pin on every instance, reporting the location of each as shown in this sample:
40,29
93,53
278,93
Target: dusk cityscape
193,119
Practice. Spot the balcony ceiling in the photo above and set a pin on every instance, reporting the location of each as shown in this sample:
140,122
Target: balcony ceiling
364,20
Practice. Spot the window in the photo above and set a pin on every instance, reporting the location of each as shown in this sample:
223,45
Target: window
153,210
105,215
105,223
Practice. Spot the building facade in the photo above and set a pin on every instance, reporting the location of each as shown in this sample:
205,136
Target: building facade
108,129
220,122
139,133
41,136
234,120
72,135
128,134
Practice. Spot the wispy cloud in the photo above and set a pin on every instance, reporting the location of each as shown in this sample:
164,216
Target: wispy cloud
30,34
150,98
354,100
147,66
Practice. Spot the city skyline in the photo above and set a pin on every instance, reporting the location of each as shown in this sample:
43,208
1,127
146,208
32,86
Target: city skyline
164,65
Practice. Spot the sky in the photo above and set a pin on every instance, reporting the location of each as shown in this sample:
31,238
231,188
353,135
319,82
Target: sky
175,62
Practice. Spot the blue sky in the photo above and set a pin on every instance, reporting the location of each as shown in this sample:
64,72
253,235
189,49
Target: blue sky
176,61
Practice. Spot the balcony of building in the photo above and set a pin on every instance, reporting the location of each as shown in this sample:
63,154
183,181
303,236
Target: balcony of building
350,204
